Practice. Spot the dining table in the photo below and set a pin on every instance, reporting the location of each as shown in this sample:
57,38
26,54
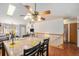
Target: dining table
17,49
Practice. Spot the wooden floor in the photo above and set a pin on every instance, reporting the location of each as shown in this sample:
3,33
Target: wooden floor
64,50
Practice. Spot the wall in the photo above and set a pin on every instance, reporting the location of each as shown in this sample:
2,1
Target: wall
12,20
68,21
77,32
77,38
54,26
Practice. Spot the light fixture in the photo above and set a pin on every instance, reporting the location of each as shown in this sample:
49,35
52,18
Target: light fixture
11,9
39,18
28,16
32,19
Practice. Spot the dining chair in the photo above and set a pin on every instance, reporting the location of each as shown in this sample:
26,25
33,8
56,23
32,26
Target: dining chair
44,47
34,51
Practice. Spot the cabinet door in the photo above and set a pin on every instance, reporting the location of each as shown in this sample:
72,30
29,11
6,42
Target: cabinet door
73,33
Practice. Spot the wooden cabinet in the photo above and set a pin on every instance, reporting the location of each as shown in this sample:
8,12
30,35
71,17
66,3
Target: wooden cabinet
73,33
70,33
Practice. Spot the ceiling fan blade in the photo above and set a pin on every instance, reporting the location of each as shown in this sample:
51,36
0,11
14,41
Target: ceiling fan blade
42,18
29,9
45,13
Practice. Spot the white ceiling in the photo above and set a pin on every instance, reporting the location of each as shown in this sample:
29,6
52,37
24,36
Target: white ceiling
57,9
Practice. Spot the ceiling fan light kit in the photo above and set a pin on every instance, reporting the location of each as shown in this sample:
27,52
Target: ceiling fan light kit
37,16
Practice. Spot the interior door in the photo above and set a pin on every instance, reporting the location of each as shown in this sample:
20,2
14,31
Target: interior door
73,33
66,33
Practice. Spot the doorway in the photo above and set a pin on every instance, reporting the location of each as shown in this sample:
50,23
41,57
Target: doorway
65,33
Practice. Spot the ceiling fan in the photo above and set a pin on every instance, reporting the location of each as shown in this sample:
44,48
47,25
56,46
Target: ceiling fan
37,16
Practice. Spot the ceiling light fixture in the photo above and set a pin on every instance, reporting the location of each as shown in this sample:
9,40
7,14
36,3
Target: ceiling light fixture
39,18
32,19
28,16
36,15
11,9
